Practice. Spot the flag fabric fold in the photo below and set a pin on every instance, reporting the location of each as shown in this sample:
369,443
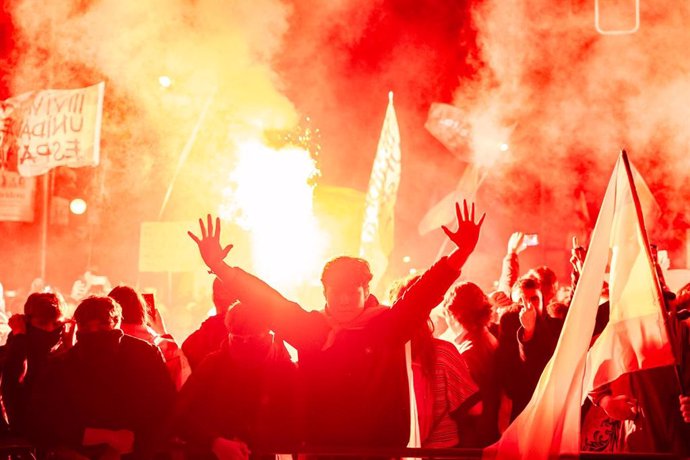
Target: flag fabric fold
635,338
378,228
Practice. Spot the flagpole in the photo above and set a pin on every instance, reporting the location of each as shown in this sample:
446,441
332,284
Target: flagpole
645,244
47,185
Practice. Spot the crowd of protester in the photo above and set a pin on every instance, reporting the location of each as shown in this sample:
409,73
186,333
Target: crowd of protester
445,365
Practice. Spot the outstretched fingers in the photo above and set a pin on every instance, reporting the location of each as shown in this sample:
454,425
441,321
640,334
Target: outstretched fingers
209,224
448,233
194,237
216,235
207,230
481,220
465,216
202,227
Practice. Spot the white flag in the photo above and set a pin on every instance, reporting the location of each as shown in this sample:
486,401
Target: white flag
379,212
635,337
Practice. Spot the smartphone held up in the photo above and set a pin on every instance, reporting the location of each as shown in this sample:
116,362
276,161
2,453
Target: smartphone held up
531,239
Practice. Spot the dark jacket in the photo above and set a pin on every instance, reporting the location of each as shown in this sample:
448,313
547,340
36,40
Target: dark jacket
205,340
355,379
26,357
241,393
107,380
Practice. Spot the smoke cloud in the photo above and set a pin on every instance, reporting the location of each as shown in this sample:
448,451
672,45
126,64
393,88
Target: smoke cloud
577,97
535,75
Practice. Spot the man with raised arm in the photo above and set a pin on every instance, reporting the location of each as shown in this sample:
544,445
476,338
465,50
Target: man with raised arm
351,354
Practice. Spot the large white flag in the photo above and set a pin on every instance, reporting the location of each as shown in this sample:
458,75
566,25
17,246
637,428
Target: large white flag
635,337
49,128
379,213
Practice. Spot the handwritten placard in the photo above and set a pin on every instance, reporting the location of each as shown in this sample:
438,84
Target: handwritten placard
57,127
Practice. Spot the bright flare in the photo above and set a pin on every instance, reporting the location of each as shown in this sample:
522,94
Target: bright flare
270,195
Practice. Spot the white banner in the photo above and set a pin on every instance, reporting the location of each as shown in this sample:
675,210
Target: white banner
16,197
49,128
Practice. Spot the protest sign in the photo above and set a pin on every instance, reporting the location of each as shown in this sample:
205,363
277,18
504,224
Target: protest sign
40,130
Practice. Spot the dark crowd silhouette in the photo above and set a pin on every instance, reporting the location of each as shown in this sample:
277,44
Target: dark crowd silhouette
109,381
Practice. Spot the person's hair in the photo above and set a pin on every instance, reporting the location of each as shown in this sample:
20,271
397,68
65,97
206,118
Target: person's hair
544,275
101,309
469,305
400,286
526,283
223,297
351,268
43,306
132,303
242,319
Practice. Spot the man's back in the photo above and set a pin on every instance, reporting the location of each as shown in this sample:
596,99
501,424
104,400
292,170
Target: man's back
234,395
114,382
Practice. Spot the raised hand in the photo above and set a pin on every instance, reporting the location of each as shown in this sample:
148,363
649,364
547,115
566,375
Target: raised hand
577,259
467,234
516,243
528,320
209,243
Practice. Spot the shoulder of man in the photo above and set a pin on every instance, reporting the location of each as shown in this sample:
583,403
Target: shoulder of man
138,346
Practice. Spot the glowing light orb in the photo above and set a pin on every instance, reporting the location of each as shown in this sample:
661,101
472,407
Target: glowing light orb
503,147
77,206
165,81
406,259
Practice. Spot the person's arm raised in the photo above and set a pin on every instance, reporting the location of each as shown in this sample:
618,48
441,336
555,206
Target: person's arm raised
510,266
210,248
413,308
465,237
286,318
